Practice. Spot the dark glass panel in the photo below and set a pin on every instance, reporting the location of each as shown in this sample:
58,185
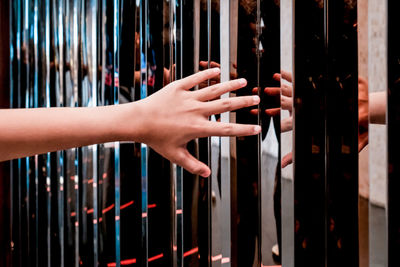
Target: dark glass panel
130,169
342,134
309,133
393,117
245,186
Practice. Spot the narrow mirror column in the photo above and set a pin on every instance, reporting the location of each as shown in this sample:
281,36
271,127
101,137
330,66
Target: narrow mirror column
393,131
309,133
377,131
342,134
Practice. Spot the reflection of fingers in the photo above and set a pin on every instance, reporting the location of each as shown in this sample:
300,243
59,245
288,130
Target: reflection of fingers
273,111
362,80
286,124
214,64
215,91
230,129
193,80
287,90
287,159
286,75
362,141
283,75
203,64
272,91
229,104
254,112
254,91
286,103
191,164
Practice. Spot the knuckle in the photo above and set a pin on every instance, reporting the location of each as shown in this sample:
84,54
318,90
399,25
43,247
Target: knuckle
228,129
214,90
227,104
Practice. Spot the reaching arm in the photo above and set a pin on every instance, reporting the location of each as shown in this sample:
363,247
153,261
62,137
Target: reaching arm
377,107
166,121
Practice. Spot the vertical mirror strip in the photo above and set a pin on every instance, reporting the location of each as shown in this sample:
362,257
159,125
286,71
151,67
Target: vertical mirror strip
309,132
225,164
377,139
393,129
144,149
287,203
117,178
342,133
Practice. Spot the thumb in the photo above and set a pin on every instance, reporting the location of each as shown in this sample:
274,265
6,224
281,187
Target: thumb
191,164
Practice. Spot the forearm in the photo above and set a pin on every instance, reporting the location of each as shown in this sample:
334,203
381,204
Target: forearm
27,132
377,108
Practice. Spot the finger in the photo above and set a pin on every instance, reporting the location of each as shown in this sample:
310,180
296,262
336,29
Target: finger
229,104
193,165
254,112
272,91
214,64
217,90
203,64
229,129
287,159
287,90
283,75
287,103
286,75
362,141
362,80
273,111
286,124
193,80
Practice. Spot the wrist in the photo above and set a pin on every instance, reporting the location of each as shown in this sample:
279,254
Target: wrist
129,122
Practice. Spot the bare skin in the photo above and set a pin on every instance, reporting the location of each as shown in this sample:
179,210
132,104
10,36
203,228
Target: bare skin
372,106
166,121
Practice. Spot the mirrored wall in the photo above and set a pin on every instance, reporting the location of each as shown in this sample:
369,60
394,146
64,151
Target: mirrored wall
317,187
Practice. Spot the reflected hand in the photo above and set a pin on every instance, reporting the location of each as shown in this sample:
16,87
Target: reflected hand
174,115
286,100
286,92
217,79
362,113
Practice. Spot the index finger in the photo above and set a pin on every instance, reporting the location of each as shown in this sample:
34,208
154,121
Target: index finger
193,80
286,75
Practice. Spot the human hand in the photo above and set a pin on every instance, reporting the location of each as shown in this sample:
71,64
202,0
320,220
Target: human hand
362,113
173,116
286,99
203,65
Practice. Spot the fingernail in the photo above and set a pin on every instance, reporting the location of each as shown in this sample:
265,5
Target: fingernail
257,129
256,99
205,173
242,82
215,70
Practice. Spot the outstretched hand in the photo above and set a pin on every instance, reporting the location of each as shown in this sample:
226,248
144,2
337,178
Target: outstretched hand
173,116
286,91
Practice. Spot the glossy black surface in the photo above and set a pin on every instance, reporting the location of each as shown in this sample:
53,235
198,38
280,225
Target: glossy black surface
309,133
326,133
393,119
342,134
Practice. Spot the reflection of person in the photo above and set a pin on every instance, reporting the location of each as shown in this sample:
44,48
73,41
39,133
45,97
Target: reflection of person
166,121
372,107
